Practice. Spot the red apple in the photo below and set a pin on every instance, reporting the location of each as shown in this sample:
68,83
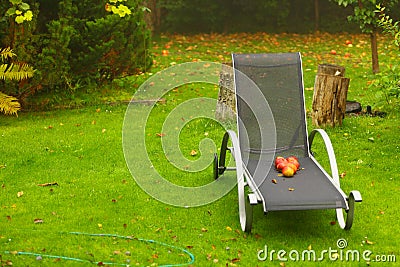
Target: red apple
348,42
294,160
333,52
278,160
291,165
287,171
281,165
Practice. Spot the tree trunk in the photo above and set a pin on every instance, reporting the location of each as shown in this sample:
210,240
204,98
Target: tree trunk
330,94
374,50
152,17
316,13
226,104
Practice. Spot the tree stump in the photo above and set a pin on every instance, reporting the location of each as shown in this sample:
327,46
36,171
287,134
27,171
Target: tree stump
226,104
330,95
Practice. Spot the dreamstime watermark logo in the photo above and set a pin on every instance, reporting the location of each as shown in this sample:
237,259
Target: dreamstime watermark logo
339,253
134,133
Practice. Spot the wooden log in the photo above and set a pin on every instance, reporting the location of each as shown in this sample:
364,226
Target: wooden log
330,95
226,104
329,69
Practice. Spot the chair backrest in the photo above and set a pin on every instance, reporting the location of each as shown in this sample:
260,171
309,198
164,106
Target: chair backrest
279,79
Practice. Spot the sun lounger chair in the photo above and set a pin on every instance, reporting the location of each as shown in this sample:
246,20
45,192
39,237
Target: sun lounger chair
271,121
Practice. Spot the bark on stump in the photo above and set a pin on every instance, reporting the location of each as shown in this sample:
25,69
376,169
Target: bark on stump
330,95
226,107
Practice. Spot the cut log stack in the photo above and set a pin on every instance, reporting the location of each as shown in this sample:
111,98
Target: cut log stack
226,105
330,95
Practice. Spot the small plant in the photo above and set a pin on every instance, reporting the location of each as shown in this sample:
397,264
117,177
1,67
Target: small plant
20,10
388,25
387,84
116,7
12,71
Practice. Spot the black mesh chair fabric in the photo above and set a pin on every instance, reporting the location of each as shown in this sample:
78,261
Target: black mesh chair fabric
279,129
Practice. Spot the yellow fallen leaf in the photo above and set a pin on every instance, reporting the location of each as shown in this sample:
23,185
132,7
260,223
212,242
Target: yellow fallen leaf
20,194
369,242
228,228
291,189
100,225
193,153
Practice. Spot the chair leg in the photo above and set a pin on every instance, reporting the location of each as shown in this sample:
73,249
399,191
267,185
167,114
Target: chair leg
354,196
215,167
245,209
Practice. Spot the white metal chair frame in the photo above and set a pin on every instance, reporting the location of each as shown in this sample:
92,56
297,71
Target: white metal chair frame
254,197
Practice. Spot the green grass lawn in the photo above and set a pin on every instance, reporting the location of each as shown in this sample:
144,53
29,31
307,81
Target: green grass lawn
64,171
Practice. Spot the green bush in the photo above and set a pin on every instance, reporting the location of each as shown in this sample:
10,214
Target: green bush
387,87
73,42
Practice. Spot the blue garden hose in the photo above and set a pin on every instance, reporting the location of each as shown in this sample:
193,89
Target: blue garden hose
191,256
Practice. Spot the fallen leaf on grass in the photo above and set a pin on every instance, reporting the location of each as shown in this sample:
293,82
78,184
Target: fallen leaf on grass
369,242
160,134
228,228
48,184
37,220
257,236
343,174
193,153
235,260
20,194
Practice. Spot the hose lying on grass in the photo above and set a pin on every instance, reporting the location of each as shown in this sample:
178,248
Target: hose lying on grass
100,263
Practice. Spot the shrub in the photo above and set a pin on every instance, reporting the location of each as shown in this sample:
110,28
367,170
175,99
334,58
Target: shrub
12,71
78,41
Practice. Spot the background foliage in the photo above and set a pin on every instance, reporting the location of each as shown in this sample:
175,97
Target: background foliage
252,16
72,42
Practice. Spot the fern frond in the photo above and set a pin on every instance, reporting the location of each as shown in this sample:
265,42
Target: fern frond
15,71
6,53
9,105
